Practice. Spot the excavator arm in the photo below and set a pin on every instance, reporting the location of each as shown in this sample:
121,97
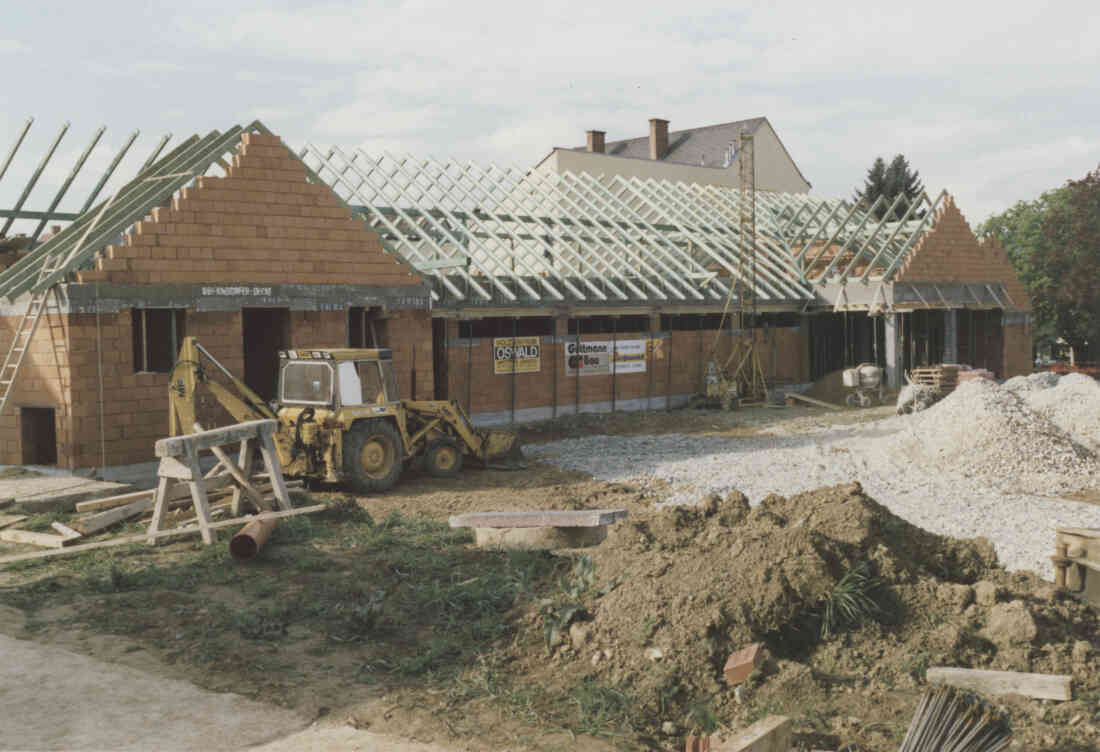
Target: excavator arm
189,372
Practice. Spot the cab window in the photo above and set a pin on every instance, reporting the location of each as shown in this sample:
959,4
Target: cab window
307,382
360,383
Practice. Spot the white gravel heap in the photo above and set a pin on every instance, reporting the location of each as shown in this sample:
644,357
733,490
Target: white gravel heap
1031,382
1072,404
979,463
985,431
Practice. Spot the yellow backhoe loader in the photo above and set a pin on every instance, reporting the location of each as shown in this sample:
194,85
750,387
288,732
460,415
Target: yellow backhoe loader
340,417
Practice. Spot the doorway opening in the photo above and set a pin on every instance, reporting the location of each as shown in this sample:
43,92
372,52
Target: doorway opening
367,327
38,431
265,332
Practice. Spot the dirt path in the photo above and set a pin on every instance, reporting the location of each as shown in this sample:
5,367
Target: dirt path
66,701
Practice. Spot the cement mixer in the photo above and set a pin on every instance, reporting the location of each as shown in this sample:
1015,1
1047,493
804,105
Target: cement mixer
866,385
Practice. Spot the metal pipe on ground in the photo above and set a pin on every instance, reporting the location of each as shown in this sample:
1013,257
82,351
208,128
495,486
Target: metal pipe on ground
251,538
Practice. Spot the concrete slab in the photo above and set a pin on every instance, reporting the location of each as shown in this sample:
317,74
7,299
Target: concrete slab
33,493
540,518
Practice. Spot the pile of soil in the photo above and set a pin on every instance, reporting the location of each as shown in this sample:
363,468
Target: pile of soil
683,587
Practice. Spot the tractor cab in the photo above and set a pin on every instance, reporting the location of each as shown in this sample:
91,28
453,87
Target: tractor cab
335,378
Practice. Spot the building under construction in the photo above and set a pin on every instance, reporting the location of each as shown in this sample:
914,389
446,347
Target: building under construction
523,294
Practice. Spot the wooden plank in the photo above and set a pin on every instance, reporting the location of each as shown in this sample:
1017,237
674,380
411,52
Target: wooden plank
7,520
812,401
34,539
1038,686
772,734
160,507
174,494
110,502
242,481
97,522
170,467
176,446
65,530
160,534
274,469
198,493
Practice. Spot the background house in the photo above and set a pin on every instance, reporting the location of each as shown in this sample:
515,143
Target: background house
705,155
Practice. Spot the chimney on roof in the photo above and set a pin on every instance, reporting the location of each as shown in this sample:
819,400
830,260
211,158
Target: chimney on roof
596,141
658,138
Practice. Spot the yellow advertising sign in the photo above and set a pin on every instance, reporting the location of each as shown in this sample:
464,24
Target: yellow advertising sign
655,349
522,353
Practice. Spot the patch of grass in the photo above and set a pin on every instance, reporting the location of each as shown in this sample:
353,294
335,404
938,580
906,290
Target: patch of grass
601,710
702,717
855,599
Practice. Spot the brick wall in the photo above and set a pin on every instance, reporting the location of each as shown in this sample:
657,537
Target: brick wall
262,223
950,252
135,405
44,381
678,372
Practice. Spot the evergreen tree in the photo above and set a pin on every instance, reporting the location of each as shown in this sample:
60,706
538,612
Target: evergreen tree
890,181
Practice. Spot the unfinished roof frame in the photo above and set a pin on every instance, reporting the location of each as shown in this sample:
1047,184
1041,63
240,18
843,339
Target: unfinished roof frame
75,247
498,235
493,235
51,213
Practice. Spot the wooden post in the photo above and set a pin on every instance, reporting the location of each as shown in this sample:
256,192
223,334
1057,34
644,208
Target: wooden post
198,494
246,458
274,469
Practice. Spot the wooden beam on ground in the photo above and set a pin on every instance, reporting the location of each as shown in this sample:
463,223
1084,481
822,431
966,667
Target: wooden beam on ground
812,401
97,522
159,534
34,539
7,520
772,734
993,683
66,531
110,502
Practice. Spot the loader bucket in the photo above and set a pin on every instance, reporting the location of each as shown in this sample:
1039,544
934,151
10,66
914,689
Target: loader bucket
501,450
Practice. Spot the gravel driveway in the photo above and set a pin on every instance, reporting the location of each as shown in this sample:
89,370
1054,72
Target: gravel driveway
979,463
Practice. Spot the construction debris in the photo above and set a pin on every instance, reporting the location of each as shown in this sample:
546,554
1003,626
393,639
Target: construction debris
950,721
7,520
181,484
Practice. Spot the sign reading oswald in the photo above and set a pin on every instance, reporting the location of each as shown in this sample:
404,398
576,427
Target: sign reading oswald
522,353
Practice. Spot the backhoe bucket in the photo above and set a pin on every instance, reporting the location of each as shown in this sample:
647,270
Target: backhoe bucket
501,450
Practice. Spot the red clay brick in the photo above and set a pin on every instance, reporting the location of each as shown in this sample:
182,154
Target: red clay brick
742,663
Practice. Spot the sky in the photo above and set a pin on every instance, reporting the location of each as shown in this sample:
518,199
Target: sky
996,102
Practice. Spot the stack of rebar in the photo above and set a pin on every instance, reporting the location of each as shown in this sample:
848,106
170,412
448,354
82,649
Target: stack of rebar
948,720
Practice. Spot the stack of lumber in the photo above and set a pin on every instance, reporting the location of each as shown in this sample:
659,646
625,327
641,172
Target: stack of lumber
100,514
975,373
942,378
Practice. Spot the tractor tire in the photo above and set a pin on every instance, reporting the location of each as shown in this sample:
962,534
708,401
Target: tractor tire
372,456
443,458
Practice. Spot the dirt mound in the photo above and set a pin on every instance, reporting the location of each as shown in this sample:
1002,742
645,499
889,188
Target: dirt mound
682,588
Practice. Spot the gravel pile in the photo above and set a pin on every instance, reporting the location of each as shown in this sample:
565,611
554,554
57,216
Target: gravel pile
1032,382
979,463
988,432
1073,404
